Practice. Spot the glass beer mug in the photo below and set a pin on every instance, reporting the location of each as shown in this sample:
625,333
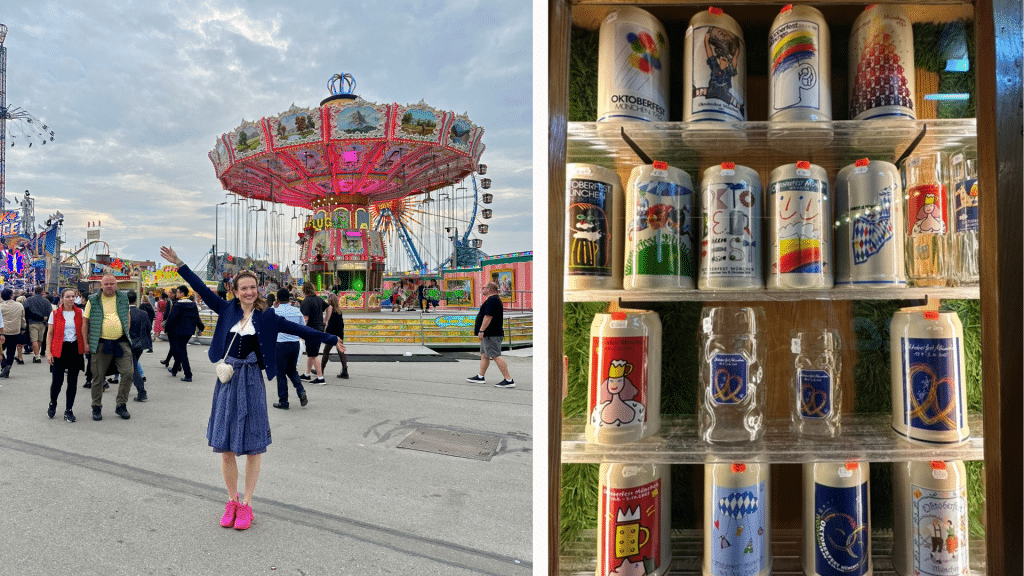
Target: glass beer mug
733,349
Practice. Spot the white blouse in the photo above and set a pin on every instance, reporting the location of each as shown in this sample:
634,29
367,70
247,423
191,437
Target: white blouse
247,331
69,325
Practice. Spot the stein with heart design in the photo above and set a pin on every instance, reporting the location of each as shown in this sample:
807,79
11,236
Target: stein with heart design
815,397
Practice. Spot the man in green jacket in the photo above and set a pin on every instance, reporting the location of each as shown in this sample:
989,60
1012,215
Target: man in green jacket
106,323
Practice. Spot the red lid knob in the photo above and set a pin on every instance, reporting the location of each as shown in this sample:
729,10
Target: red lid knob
938,465
852,465
786,8
931,315
618,315
739,467
862,162
803,165
715,11
728,165
658,165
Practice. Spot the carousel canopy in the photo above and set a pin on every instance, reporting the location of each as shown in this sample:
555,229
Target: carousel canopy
303,156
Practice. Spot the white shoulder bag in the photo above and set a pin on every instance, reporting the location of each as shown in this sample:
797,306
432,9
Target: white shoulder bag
224,370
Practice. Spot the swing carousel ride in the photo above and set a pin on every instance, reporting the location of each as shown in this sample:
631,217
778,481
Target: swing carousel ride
364,175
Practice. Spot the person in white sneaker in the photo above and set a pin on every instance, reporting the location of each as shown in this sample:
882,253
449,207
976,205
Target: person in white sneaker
488,329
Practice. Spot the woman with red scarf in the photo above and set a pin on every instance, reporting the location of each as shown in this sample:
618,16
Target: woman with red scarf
66,348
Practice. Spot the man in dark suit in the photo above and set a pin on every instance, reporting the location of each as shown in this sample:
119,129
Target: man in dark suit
139,332
182,323
172,297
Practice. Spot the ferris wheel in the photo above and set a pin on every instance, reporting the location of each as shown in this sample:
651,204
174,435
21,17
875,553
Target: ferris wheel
423,233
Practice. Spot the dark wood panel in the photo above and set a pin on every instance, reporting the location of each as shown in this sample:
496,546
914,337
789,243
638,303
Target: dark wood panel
559,25
999,53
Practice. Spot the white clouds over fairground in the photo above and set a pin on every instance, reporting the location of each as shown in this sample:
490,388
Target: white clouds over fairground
138,92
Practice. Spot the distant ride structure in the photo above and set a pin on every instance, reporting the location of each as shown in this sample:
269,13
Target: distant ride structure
365,174
24,127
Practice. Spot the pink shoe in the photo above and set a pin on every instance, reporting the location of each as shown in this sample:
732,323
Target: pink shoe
243,517
229,514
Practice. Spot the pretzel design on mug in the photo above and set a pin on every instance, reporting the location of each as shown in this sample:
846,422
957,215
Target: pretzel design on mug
929,411
727,388
813,402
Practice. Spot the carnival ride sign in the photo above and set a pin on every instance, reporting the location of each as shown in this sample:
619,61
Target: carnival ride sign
10,224
454,321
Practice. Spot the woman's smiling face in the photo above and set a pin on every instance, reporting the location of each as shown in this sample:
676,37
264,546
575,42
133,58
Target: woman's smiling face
246,290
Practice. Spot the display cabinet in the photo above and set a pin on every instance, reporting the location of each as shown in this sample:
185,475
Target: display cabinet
996,432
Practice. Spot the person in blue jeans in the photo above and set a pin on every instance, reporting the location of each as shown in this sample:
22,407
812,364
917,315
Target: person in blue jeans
288,352
139,330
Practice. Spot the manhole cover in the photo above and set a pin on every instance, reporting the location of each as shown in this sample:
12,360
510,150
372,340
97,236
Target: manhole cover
460,444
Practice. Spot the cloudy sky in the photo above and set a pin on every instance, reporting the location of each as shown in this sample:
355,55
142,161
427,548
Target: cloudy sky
138,91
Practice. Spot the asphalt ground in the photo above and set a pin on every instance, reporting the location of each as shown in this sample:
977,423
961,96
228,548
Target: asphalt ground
335,495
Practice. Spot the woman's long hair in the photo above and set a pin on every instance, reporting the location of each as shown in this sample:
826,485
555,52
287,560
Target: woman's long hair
333,301
260,304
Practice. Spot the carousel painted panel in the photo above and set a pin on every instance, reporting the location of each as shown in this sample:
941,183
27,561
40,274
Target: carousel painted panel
419,123
460,134
341,218
296,126
375,243
350,245
478,145
358,119
320,245
220,156
351,299
247,140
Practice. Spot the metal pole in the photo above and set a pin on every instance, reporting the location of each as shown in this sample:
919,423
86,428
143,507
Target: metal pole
216,234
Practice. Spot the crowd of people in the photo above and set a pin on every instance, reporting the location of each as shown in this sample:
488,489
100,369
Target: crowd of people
256,333
55,328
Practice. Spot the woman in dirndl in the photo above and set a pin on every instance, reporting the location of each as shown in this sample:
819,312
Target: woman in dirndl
161,313
245,338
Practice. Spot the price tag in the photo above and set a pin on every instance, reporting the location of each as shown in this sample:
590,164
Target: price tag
728,168
707,325
612,16
803,169
914,162
861,166
618,320
957,159
794,345
660,169
845,472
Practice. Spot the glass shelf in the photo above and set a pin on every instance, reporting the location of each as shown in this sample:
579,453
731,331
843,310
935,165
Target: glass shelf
677,295
578,557
832,145
865,437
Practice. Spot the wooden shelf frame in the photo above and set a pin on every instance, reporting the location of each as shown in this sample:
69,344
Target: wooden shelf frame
999,54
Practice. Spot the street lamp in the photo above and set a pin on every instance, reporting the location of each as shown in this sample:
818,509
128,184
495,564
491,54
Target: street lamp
216,232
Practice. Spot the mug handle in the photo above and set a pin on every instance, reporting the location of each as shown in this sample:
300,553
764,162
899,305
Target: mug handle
647,537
